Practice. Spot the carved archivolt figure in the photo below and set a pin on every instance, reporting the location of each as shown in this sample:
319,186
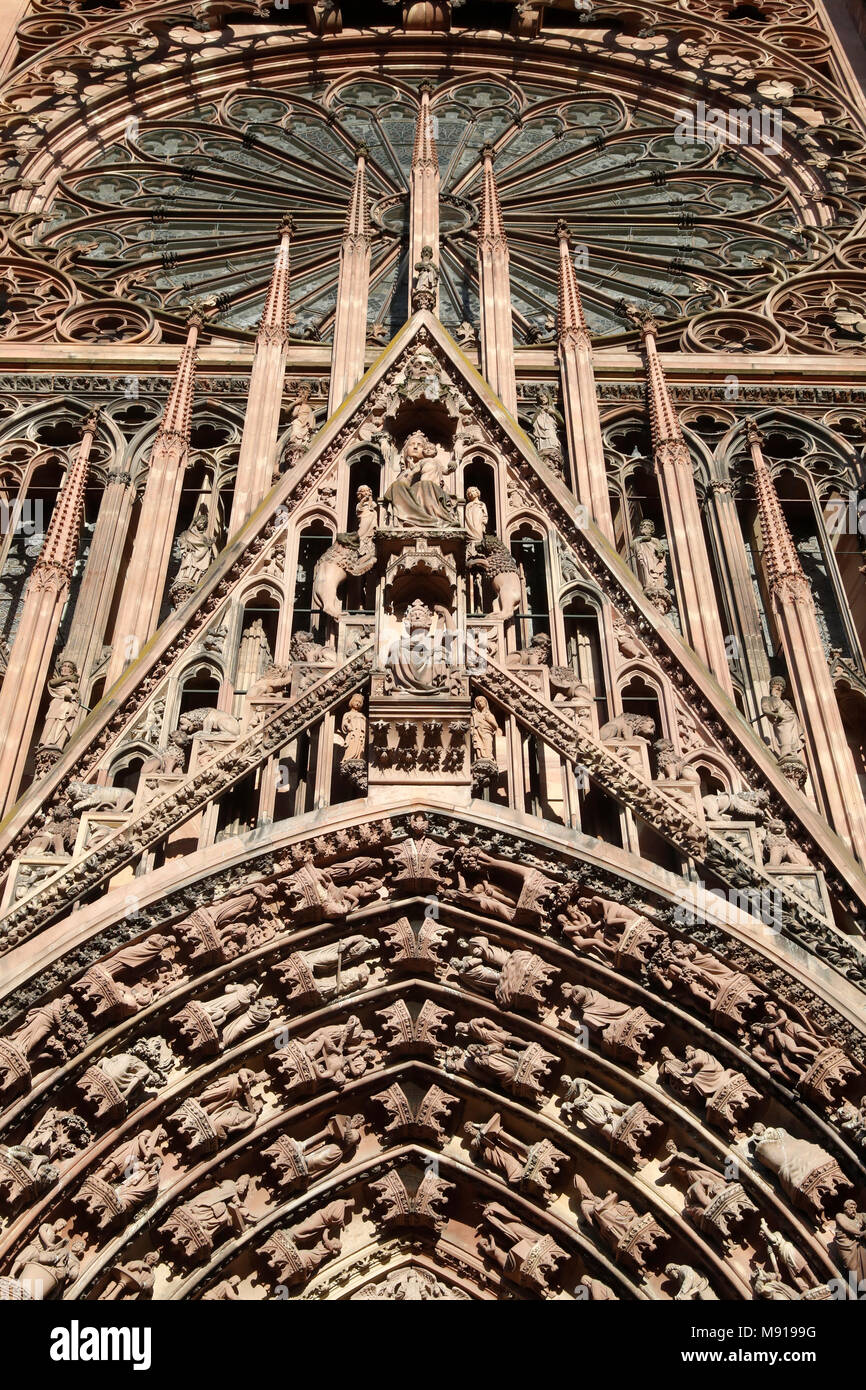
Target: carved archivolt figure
624,1029
297,1163
631,1236
850,1239
787,729
495,1053
786,1260
294,1255
700,1074
197,1226
45,1266
527,1166
807,1174
131,1281
691,1287
335,1054
784,1044
517,979
525,1256
417,497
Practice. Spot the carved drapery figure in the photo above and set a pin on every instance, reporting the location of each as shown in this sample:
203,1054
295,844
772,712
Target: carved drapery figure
806,1173
334,1054
197,550
627,1126
194,1228
297,1163
426,283
417,498
45,1266
713,1202
303,425
63,708
421,660
850,1240
523,1254
787,729
702,1076
649,559
485,730
529,1167
295,1255
496,1054
633,1238
547,421
517,979
475,514
624,1029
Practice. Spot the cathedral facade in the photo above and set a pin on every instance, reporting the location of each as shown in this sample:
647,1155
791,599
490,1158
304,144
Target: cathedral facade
433,705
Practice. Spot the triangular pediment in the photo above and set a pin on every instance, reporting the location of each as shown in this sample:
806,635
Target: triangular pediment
702,710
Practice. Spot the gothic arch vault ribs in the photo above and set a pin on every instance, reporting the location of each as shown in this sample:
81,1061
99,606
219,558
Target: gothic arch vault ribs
424,1053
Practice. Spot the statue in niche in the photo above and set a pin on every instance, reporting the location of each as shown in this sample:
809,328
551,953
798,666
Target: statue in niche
546,424
426,280
484,730
417,498
303,425
649,559
475,514
354,731
420,660
63,707
367,514
787,729
197,550
353,552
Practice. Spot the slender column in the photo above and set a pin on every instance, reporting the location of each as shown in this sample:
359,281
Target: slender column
582,421
494,283
831,764
261,423
730,539
95,596
41,614
350,319
693,580
144,585
424,190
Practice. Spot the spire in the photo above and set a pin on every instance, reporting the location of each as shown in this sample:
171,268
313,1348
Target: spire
274,326
57,556
353,291
424,189
781,561
424,154
357,229
491,228
177,414
664,422
572,321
